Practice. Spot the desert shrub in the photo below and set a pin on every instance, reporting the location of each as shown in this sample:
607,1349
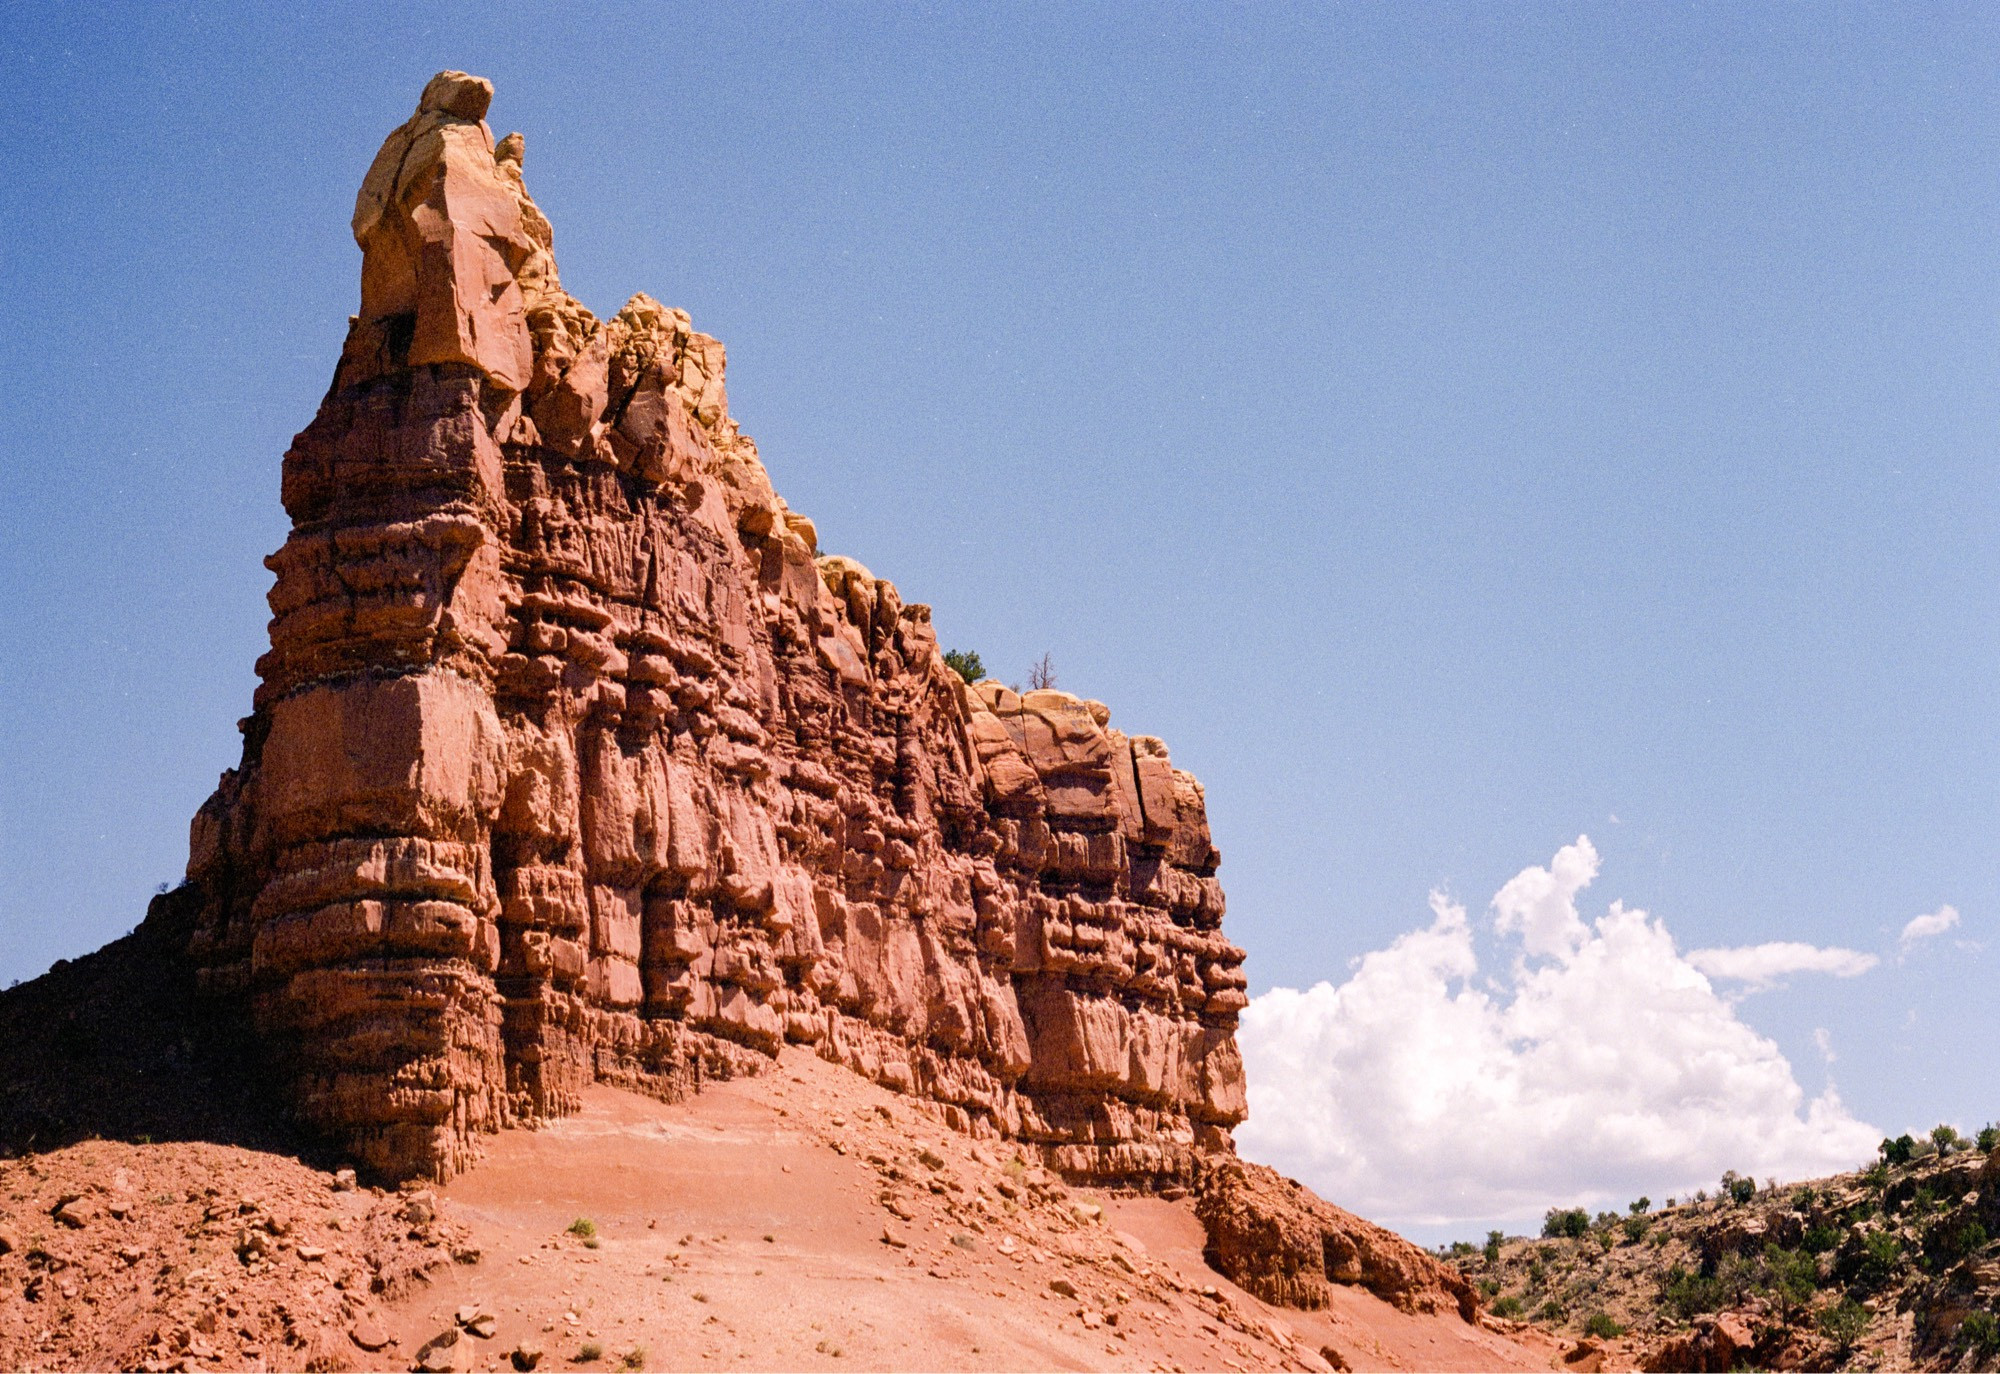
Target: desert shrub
1740,1276
1636,1227
1601,1325
586,1353
1640,1206
1876,1176
1989,1138
583,1227
1923,1201
1952,1241
1793,1275
1509,1306
1492,1251
1459,1249
1843,1324
1551,1312
1738,1189
1489,1288
1686,1294
1538,1274
1819,1239
1899,1150
1572,1223
1979,1333
1873,1264
965,663
1945,1137
635,1358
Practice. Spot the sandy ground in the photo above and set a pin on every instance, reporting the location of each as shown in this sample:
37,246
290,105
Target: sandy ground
806,1219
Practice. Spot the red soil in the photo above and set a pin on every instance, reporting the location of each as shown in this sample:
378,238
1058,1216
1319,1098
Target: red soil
803,1219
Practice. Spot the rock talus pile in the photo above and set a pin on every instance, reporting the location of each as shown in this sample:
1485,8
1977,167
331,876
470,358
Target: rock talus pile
573,759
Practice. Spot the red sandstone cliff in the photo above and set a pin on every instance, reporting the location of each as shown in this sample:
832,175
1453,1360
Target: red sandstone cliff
574,761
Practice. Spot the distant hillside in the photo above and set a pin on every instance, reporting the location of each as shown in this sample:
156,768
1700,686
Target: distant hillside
1893,1267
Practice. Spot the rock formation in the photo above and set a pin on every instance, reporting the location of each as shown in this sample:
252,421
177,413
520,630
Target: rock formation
573,758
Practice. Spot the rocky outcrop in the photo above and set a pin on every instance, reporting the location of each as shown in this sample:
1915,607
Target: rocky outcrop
1275,1238
575,759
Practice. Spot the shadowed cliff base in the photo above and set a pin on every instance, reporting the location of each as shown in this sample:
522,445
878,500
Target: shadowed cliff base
117,1046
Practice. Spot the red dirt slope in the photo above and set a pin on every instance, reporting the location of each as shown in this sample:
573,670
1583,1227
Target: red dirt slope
804,1219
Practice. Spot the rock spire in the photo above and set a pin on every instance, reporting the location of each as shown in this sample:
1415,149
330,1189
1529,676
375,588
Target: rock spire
574,759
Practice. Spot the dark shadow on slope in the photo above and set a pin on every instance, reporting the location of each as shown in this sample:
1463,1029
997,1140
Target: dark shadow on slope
116,1046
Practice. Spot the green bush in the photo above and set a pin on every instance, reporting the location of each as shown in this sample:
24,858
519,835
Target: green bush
1687,1294
1899,1150
1636,1227
1843,1324
1945,1137
1819,1239
1640,1206
1551,1312
1600,1325
1989,1138
1740,1276
584,1227
1876,1175
1951,1241
1793,1276
1572,1223
1873,1264
1738,1189
965,663
1493,1239
1979,1333
1509,1306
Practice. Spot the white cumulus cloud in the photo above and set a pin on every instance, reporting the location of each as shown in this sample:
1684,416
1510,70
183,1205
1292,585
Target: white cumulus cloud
1930,925
1760,966
1598,1065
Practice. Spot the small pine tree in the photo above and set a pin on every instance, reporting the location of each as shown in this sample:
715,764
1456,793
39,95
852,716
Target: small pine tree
965,662
1844,1324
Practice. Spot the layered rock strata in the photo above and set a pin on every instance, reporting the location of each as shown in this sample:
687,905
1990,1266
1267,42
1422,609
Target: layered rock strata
573,758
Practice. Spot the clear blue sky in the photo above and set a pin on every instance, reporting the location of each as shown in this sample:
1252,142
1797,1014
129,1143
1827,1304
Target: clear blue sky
1450,427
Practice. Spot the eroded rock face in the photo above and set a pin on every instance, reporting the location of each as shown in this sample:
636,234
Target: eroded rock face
574,759
1279,1241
